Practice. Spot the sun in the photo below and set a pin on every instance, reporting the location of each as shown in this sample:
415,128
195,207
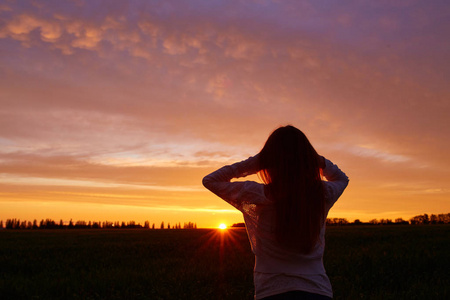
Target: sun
222,226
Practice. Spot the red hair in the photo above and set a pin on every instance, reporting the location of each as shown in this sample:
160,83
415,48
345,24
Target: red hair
290,168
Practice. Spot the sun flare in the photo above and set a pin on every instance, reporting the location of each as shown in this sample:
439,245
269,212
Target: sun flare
222,226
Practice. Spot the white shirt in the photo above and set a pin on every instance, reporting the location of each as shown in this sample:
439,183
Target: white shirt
277,270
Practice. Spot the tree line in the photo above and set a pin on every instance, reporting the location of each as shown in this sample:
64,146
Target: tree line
51,224
424,219
417,220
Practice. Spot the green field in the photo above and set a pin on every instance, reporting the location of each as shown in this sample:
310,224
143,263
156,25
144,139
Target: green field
363,262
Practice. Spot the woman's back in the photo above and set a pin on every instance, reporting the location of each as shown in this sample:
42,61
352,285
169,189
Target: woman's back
290,260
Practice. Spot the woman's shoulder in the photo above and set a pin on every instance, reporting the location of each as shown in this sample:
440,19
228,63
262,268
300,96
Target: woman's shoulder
255,192
254,187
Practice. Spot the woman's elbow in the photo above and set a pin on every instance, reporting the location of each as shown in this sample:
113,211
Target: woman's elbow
346,181
206,182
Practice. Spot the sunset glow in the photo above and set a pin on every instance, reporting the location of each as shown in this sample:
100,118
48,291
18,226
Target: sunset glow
115,110
222,226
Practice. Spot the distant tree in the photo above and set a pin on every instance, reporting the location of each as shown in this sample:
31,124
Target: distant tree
153,226
374,222
419,220
81,224
238,225
108,224
337,221
9,224
70,224
385,221
23,225
433,219
343,221
162,225
190,225
400,221
357,222
1,224
35,225
47,224
146,225
426,219
13,223
429,219
444,218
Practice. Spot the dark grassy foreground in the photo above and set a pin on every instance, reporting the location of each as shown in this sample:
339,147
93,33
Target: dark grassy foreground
378,262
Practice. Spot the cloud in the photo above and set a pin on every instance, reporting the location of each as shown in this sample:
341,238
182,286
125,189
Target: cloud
371,152
297,74
73,168
23,25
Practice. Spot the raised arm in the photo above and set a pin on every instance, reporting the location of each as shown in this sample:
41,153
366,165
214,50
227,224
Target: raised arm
219,183
336,182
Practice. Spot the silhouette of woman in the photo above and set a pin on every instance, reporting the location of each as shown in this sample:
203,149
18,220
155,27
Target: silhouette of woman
284,217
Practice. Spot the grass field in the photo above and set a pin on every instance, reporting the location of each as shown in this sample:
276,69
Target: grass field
363,262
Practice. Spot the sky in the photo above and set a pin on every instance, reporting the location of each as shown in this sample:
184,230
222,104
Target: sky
115,110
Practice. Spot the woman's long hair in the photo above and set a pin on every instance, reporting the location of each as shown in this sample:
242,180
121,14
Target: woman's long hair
290,169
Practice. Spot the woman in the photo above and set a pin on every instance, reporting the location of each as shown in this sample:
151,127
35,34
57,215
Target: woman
285,217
